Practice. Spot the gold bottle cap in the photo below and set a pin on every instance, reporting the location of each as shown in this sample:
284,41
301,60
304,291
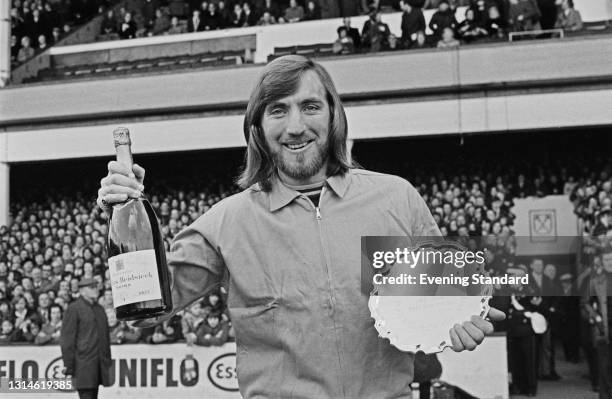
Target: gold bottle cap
121,136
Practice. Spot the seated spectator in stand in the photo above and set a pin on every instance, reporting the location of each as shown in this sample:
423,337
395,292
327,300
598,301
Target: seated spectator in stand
50,332
25,52
191,320
238,17
523,15
271,7
21,313
224,15
343,44
413,21
469,29
162,23
569,19
6,310
8,333
448,39
294,13
109,23
106,300
211,18
42,311
249,16
175,28
494,24
312,11
127,29
213,331
441,19
548,13
42,43
120,331
351,32
375,33
14,49
28,331
195,23
168,332
36,26
266,19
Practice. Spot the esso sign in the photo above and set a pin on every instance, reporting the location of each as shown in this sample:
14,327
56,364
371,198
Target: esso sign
222,372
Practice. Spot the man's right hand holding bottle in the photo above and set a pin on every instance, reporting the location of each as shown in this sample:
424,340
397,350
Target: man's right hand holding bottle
120,184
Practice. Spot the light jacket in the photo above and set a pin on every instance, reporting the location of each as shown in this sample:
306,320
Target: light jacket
302,323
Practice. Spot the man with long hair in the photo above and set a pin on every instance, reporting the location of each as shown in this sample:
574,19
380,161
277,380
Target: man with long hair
291,244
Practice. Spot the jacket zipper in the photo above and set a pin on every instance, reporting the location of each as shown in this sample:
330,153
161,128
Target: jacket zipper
332,298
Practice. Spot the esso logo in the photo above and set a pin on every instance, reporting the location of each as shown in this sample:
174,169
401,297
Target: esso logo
55,370
222,372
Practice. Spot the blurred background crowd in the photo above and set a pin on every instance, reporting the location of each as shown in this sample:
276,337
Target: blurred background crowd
39,24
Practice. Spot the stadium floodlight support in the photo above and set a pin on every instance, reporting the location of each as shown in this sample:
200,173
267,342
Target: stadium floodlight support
5,42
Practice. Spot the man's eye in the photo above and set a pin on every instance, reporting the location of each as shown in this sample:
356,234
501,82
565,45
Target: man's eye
311,108
277,111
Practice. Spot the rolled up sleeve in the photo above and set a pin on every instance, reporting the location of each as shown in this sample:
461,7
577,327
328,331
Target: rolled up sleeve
196,268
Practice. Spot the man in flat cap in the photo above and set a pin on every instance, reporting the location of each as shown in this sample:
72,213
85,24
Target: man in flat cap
85,342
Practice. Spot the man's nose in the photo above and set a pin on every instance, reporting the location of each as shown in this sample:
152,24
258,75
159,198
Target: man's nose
295,124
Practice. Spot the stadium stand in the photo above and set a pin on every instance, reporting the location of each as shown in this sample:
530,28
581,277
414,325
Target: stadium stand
474,21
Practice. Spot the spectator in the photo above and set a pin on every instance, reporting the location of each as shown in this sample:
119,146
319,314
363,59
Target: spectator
25,52
266,19
523,15
469,29
343,44
270,7
14,49
195,23
175,28
224,15
28,331
569,19
8,334
295,12
21,313
312,11
120,332
494,23
211,18
413,22
238,21
36,26
168,332
127,30
51,330
109,23
351,32
213,331
375,33
443,18
191,320
161,24
249,16
42,312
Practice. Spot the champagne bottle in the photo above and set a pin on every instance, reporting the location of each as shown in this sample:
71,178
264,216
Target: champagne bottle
136,256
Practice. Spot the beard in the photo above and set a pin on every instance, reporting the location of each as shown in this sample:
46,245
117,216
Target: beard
301,166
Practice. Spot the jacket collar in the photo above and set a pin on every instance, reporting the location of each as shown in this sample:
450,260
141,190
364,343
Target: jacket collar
281,195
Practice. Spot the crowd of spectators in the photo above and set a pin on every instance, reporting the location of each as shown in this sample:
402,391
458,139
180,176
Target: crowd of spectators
39,24
483,20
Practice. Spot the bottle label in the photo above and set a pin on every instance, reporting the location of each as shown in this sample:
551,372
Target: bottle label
134,277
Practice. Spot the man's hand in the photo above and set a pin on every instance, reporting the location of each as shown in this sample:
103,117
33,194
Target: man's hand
120,184
471,333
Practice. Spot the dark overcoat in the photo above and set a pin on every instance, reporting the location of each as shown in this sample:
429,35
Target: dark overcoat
85,344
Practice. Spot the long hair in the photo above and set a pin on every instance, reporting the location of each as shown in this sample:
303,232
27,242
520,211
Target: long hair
279,79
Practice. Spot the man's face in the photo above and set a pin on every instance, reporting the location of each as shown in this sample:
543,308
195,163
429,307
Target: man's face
537,266
296,129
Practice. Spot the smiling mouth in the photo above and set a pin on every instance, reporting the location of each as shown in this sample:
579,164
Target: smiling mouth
296,147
